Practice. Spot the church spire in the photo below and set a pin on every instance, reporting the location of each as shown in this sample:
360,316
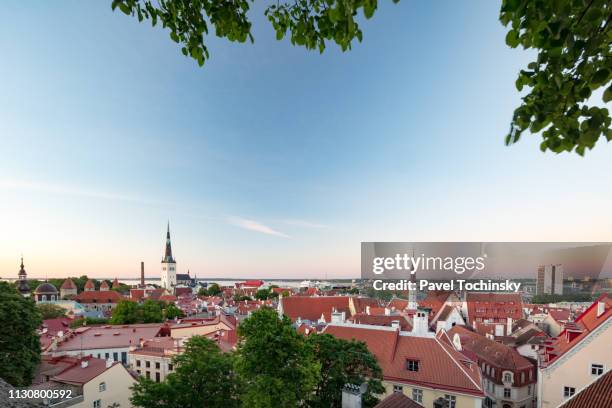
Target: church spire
168,254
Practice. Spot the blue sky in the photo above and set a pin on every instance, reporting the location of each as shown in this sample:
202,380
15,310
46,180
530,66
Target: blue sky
271,161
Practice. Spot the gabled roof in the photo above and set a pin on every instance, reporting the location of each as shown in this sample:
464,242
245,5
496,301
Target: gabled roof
89,284
68,284
595,395
494,353
93,296
381,320
494,306
397,400
574,333
101,337
398,304
440,365
312,308
76,374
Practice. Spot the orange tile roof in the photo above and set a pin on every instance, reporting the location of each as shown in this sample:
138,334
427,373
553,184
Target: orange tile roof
76,374
573,334
398,304
94,296
493,306
100,337
598,394
68,284
494,353
312,308
397,400
440,365
382,320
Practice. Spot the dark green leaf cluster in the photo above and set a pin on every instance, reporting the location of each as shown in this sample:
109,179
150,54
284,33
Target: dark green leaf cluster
51,311
150,311
19,341
574,43
310,22
274,366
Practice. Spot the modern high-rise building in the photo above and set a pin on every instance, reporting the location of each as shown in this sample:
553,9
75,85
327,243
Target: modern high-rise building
550,280
168,265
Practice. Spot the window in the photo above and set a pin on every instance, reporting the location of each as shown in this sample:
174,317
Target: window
124,357
148,375
170,367
568,391
417,395
157,365
412,365
507,392
148,364
529,390
451,400
137,363
157,377
507,377
115,356
102,387
97,404
522,377
597,369
398,388
106,356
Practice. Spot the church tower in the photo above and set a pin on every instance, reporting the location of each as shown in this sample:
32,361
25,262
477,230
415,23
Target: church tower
22,283
168,266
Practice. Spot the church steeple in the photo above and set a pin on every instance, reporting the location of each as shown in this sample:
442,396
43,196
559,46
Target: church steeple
168,254
22,286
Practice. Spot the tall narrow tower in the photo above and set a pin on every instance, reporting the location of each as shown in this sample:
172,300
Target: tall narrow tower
168,265
22,285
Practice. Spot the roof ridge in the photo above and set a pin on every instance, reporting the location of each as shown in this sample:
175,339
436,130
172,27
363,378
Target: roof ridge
458,364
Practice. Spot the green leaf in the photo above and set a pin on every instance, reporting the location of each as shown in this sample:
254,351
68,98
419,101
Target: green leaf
607,95
512,38
601,76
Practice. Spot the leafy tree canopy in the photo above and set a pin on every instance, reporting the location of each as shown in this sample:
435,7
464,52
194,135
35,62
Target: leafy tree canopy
51,311
203,378
573,39
19,342
308,23
276,367
214,289
344,362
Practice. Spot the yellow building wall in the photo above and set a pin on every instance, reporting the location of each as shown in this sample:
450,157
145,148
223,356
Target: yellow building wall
430,395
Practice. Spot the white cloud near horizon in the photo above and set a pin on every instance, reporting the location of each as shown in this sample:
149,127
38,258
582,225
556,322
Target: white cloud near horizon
256,226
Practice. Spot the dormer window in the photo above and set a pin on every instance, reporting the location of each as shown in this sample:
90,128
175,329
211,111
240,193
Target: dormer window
412,365
507,377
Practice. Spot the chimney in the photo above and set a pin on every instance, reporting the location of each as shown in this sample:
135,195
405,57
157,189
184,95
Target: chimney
420,321
395,324
387,311
337,317
109,363
84,363
367,310
142,283
601,308
351,395
509,326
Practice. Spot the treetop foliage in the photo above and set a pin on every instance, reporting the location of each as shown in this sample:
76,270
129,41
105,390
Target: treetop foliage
574,43
308,23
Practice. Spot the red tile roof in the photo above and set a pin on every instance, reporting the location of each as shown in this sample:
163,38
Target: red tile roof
116,283
496,307
398,400
560,315
312,308
77,374
94,296
89,284
97,337
574,333
381,320
104,285
398,304
597,394
440,365
68,284
493,353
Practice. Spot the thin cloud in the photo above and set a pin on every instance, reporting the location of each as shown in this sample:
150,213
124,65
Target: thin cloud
305,224
68,190
256,226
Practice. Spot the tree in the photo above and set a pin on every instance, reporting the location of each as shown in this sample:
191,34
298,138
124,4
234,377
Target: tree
151,311
19,342
51,311
126,312
203,292
172,311
214,289
573,40
276,367
309,23
262,294
344,362
204,377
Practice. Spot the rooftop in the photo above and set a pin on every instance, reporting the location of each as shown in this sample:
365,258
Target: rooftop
98,337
